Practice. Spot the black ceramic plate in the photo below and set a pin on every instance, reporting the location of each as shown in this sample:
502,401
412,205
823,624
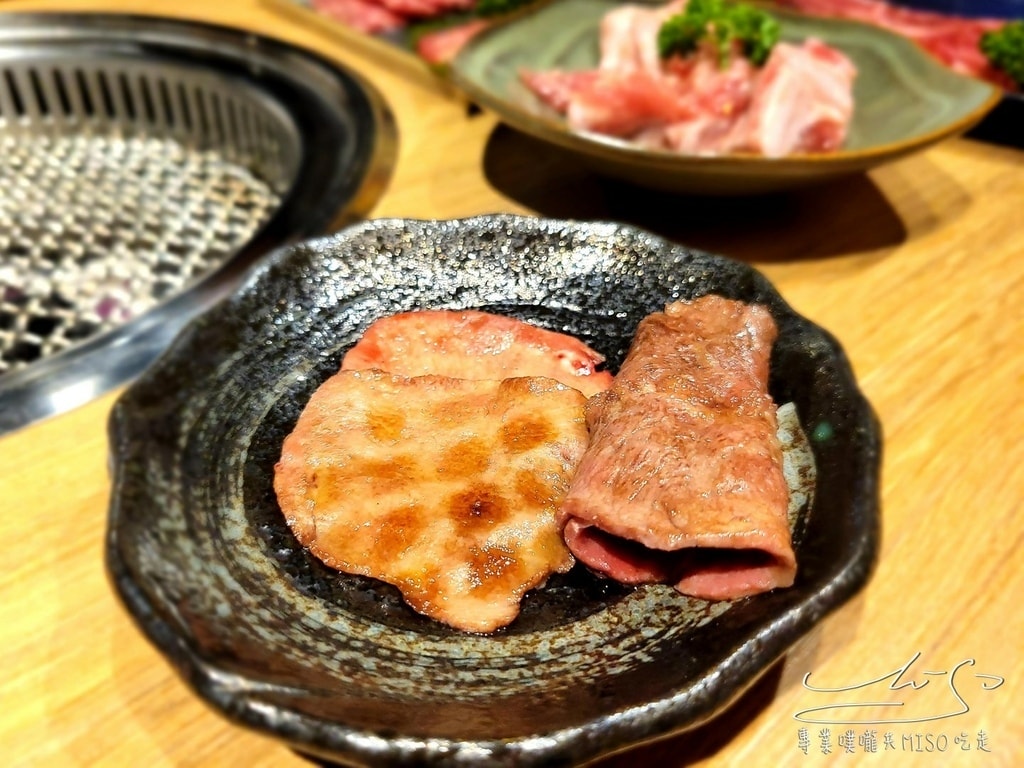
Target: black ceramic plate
337,665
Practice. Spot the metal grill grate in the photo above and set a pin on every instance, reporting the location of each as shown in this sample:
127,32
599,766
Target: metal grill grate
121,184
95,231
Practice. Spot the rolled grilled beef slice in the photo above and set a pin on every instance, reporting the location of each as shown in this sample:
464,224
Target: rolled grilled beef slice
682,482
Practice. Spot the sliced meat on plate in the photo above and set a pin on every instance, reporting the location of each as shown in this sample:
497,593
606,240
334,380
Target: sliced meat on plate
446,488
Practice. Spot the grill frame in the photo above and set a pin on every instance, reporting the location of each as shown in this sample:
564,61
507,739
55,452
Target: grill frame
344,141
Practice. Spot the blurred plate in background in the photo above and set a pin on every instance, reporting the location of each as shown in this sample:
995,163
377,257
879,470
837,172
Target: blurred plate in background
904,101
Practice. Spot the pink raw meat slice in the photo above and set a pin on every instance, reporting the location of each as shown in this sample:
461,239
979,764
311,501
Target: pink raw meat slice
556,87
626,103
803,102
629,34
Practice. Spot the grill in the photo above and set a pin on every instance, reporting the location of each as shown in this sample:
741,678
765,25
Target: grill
145,164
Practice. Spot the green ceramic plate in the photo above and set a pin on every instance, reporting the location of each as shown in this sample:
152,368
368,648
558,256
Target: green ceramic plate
904,101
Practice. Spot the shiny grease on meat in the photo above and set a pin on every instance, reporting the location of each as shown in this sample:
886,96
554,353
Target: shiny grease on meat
683,479
446,488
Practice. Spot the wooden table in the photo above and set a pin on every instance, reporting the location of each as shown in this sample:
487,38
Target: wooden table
918,268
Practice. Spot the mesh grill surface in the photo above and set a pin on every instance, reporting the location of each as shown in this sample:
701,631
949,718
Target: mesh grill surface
97,229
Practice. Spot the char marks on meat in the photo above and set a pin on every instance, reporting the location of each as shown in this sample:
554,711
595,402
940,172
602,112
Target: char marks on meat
469,344
446,488
683,481
801,100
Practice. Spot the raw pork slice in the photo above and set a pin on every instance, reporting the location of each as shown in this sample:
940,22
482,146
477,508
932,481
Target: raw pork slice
804,99
446,488
469,344
800,101
683,479
628,36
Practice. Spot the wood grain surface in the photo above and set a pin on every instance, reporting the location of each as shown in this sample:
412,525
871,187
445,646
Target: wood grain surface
918,269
